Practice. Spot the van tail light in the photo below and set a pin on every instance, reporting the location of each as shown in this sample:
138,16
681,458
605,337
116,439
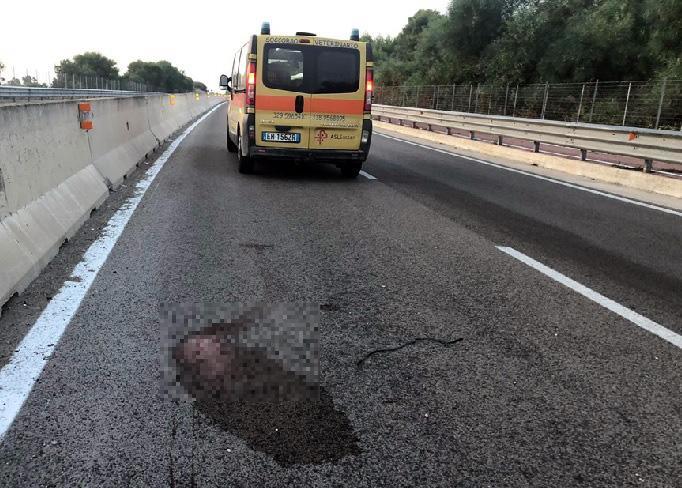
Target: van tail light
369,90
251,84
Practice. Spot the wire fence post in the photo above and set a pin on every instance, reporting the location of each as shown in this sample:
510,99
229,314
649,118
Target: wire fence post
627,101
416,103
471,93
452,105
435,97
544,101
490,100
506,99
478,93
594,99
580,105
660,103
516,98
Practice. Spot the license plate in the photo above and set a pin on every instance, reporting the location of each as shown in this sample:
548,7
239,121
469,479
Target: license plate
289,137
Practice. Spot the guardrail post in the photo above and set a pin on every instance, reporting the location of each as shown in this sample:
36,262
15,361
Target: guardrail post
472,135
660,103
536,146
648,165
627,101
499,140
594,99
583,154
580,105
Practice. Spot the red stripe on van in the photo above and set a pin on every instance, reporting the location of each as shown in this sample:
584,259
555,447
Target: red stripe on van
337,106
314,105
275,103
239,100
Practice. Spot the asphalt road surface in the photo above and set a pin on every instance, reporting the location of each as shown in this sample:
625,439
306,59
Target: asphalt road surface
443,361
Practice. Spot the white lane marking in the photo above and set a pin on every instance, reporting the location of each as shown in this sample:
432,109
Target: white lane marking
18,376
367,175
551,180
626,313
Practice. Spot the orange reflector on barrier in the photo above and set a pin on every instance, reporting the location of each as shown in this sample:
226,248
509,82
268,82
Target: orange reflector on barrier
85,116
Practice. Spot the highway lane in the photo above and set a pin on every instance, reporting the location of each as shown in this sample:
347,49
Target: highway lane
630,253
545,388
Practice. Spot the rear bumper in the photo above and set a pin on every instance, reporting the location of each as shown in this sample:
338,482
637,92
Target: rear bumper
321,155
307,154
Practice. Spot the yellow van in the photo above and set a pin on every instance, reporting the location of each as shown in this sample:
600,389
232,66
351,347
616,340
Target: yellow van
301,97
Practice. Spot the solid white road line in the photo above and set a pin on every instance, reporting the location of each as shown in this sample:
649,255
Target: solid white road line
367,175
626,313
544,178
18,376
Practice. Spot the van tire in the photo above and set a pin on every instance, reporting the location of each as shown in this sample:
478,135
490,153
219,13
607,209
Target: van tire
351,170
245,162
231,146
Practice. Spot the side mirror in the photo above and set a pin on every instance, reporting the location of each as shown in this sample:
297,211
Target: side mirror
225,82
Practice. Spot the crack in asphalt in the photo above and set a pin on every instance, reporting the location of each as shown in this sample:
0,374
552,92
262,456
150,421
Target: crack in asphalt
407,344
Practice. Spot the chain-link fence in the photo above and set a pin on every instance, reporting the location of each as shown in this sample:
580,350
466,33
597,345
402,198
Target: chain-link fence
653,104
79,82
72,81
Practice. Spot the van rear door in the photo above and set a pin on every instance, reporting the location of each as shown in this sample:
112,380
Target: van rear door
282,102
338,94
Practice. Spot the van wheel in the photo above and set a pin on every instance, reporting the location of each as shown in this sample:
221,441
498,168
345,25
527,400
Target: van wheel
245,162
231,146
351,170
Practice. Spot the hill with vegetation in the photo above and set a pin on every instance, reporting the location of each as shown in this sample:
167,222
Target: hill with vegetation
531,41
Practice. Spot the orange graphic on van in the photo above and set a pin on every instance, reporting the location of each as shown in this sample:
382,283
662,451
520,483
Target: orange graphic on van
321,136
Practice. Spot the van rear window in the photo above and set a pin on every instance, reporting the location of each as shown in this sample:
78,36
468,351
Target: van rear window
311,69
337,71
284,69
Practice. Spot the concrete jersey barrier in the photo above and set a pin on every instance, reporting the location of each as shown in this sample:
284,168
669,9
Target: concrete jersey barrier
121,136
53,174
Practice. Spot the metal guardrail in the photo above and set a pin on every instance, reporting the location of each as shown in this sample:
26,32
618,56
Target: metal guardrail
21,93
647,144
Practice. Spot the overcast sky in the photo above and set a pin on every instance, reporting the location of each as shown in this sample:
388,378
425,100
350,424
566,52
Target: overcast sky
198,37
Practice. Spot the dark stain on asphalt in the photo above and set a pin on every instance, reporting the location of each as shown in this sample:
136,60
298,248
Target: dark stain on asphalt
330,307
256,245
387,350
245,392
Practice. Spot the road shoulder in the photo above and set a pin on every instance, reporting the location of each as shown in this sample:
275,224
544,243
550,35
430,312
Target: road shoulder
657,190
